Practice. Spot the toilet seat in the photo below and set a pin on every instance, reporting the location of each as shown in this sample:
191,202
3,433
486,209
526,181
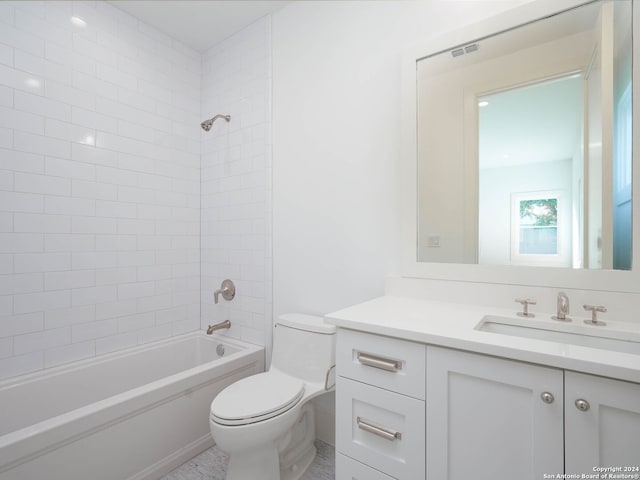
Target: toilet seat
256,398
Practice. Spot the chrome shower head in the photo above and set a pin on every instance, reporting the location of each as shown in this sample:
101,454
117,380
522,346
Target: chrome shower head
206,125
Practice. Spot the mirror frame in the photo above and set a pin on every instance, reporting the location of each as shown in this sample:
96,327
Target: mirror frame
585,279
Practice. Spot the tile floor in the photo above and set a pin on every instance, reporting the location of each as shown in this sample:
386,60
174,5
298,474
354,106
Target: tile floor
212,465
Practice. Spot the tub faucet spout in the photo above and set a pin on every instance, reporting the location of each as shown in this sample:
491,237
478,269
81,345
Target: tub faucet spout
218,326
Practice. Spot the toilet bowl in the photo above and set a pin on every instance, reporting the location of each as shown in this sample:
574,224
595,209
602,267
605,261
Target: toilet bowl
265,422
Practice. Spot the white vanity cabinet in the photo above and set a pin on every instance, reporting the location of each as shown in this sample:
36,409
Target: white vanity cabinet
602,423
380,408
490,418
493,418
408,410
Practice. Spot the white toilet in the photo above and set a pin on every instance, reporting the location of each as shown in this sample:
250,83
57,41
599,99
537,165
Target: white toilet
264,422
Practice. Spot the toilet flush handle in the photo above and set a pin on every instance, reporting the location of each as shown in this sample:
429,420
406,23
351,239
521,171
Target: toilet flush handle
328,387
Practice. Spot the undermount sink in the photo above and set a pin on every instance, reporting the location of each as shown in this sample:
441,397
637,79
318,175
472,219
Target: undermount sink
568,333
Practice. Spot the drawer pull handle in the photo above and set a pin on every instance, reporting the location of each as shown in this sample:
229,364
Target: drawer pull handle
379,362
379,431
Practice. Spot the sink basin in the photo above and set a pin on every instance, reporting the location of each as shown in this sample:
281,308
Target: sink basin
573,334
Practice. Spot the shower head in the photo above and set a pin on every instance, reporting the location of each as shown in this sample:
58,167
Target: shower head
206,125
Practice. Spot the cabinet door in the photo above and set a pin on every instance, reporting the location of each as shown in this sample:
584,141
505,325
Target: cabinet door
602,418
486,419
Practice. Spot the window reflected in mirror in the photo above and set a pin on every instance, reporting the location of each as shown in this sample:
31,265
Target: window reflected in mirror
537,225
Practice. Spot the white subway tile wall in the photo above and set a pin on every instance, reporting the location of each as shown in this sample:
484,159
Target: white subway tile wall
100,182
236,182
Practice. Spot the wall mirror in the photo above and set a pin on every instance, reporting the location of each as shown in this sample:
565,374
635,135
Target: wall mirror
523,144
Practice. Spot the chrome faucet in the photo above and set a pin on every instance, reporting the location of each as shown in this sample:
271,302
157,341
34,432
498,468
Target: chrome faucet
562,303
218,326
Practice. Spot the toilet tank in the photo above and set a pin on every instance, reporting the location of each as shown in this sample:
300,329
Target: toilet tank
304,346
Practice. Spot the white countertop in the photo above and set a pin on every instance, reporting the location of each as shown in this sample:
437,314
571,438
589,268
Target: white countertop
453,325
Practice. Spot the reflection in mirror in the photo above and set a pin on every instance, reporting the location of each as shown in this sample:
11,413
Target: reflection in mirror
524,144
529,150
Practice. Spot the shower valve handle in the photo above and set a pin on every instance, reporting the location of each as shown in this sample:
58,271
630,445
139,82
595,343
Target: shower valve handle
227,289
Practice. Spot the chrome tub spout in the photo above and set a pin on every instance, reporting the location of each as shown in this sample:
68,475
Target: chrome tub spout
218,326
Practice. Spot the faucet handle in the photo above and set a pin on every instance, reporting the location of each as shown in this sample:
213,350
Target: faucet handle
227,289
594,309
525,307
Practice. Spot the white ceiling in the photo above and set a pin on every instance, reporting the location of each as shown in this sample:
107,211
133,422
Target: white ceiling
200,24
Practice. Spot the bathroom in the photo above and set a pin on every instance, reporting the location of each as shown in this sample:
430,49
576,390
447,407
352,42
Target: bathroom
121,216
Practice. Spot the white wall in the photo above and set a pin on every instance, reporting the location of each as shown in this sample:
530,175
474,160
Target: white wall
100,180
336,116
236,182
99,184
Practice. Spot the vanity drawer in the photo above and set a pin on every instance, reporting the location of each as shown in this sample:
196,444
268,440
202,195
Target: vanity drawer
390,363
382,429
349,469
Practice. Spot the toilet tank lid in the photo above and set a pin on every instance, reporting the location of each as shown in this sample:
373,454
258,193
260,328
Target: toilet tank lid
309,323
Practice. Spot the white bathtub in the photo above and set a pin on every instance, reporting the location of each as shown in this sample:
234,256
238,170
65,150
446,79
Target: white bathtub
132,415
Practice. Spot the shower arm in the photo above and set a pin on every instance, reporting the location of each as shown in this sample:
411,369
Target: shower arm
206,125
226,117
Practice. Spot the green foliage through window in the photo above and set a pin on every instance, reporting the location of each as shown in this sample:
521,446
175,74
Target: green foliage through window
542,212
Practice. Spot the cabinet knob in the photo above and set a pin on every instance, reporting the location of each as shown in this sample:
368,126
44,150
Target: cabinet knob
547,397
582,405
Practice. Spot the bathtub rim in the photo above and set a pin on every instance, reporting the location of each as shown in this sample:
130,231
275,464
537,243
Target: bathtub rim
105,357
29,442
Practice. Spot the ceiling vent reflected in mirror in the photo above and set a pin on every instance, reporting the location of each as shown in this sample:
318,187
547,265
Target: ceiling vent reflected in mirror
468,49
471,48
